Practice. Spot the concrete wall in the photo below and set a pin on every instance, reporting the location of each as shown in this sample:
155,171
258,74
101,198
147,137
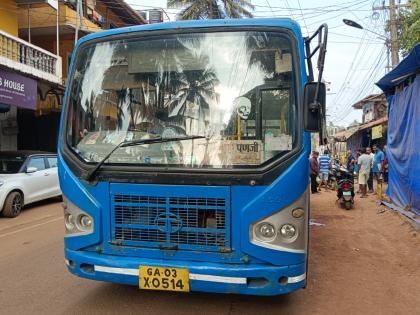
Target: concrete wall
9,17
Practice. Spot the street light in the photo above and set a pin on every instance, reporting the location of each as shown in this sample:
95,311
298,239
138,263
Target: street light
352,23
380,36
357,25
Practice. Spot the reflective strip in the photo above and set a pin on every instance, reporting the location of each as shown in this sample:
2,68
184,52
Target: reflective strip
122,271
296,279
193,276
236,280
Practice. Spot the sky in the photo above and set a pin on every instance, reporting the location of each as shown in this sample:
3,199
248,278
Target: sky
355,59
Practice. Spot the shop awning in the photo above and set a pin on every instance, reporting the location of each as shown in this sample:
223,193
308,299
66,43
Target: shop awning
373,123
345,134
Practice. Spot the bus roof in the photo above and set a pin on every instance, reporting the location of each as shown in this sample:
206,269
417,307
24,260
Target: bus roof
267,22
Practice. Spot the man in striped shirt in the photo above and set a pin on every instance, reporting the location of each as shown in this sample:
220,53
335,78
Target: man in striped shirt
324,168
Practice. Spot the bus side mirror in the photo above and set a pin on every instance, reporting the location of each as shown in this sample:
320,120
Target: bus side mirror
314,107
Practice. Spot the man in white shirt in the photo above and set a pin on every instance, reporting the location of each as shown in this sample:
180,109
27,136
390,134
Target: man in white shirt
365,163
370,179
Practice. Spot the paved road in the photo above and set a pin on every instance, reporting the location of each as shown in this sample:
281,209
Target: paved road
361,262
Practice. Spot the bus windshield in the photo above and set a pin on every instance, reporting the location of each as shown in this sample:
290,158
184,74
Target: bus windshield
235,89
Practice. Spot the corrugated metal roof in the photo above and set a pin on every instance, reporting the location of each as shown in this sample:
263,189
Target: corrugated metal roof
371,98
373,123
347,134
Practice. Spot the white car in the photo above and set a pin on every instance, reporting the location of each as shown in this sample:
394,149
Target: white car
26,177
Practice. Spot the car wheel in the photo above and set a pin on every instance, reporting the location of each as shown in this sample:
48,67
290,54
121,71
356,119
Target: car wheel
13,205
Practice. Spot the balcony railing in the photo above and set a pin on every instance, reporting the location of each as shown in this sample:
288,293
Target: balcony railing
20,55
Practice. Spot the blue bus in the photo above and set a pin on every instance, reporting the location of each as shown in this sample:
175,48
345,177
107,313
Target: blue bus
183,155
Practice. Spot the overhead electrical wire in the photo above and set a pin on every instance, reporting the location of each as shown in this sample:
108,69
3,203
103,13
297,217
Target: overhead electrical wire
303,18
367,85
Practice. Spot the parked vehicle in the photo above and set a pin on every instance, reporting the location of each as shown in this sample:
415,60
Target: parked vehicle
332,174
345,190
26,177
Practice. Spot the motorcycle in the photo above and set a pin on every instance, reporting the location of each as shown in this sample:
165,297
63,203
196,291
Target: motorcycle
345,191
332,174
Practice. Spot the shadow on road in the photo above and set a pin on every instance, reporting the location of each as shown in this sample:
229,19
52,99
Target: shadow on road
112,298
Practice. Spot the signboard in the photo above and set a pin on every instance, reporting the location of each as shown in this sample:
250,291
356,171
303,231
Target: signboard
377,132
17,90
240,152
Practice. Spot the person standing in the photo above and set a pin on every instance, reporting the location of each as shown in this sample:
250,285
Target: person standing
324,167
378,160
350,161
385,165
314,171
356,167
364,163
370,179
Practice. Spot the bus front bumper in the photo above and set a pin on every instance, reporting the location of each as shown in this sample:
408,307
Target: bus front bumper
254,279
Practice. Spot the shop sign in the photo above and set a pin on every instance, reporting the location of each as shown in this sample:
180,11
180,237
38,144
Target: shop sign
377,132
17,90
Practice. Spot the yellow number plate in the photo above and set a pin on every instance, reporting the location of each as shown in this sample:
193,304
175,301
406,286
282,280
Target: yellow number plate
162,278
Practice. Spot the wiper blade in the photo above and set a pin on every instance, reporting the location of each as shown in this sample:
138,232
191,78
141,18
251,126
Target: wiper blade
91,174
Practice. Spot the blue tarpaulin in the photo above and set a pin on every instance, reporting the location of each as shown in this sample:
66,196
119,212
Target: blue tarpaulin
403,147
407,67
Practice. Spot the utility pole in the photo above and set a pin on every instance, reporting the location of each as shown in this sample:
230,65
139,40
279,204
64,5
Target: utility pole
393,43
395,47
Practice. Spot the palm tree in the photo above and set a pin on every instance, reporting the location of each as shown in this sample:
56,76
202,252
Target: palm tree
195,87
212,9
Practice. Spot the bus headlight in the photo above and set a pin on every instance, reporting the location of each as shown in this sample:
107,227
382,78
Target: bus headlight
69,221
265,231
284,230
76,221
84,222
288,231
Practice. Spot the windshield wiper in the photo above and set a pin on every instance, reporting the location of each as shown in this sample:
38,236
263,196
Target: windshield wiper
91,174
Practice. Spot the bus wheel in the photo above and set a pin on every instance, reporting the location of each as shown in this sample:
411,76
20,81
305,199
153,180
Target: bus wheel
13,205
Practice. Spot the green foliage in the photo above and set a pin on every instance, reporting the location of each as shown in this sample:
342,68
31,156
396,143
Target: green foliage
212,9
409,27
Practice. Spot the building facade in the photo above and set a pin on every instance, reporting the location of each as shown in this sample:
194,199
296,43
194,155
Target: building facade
37,38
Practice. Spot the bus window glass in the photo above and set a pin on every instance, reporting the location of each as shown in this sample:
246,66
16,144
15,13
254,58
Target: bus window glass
235,88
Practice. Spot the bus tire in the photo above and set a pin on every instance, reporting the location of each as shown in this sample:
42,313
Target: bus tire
13,205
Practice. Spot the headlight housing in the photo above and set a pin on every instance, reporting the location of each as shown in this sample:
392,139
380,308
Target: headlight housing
76,221
265,231
284,230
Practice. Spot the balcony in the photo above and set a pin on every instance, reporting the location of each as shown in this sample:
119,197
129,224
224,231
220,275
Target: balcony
24,57
42,20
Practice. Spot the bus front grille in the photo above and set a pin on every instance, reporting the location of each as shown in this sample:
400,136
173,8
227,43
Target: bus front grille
171,222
